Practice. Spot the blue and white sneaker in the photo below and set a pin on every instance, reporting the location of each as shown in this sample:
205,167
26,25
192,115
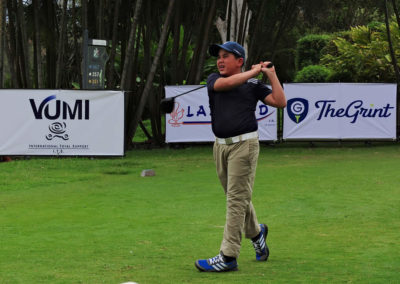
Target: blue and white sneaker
216,264
260,245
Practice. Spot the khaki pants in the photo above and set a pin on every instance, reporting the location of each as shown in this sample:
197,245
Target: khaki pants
236,168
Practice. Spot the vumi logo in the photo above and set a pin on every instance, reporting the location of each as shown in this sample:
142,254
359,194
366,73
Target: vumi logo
53,109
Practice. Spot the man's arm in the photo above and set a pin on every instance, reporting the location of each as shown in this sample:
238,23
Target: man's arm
231,82
277,97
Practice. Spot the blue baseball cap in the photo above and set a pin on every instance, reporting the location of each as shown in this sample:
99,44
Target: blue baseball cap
230,46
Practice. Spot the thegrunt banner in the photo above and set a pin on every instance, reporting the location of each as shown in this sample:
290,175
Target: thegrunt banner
340,111
61,122
191,120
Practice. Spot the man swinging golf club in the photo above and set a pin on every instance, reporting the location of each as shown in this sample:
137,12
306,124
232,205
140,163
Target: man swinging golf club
233,96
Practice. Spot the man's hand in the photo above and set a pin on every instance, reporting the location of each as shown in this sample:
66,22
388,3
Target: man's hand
267,71
257,68
277,97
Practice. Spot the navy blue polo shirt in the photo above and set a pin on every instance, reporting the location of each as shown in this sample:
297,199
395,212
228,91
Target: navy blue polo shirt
233,111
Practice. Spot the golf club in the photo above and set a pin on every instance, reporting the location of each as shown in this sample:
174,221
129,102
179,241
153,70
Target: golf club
167,104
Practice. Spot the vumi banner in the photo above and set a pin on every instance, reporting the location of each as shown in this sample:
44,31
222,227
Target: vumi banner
191,121
61,122
340,111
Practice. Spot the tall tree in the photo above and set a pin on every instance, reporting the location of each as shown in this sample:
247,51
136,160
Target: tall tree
150,77
50,30
111,61
12,46
61,44
394,62
38,49
176,41
205,43
236,24
396,12
131,44
392,52
25,62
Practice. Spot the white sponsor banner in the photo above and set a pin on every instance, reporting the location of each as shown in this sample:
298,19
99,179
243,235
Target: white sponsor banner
61,122
340,111
191,120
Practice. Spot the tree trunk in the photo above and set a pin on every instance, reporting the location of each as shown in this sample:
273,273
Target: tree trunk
235,26
187,35
242,25
100,19
396,12
61,45
195,60
131,44
253,42
38,49
392,53
51,39
204,43
150,77
77,50
84,15
394,62
111,61
11,46
229,20
176,42
135,61
25,47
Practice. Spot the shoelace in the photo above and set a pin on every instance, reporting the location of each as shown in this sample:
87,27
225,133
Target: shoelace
216,259
257,246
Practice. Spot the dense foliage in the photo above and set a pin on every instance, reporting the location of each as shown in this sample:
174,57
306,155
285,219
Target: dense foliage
362,54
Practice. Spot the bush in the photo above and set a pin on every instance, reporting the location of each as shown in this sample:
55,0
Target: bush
313,74
362,54
308,50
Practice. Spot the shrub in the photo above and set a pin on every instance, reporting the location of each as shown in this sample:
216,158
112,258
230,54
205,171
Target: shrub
313,74
362,54
308,50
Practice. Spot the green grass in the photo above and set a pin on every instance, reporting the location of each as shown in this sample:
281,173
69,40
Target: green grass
333,214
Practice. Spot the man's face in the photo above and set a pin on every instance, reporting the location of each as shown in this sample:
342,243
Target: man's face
228,64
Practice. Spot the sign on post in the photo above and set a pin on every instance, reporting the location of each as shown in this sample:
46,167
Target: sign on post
94,61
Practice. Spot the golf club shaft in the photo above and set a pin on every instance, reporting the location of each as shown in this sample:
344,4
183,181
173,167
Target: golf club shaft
202,86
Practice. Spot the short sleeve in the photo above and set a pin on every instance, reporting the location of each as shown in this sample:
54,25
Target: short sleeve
211,81
262,91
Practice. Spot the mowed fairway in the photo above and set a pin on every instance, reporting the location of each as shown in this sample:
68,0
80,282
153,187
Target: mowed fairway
333,214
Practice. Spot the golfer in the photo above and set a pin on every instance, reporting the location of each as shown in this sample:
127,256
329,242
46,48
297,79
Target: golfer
233,96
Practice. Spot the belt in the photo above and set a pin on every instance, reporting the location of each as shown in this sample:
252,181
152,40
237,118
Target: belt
235,139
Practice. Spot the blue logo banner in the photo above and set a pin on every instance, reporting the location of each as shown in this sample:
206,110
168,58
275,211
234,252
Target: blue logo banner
297,109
